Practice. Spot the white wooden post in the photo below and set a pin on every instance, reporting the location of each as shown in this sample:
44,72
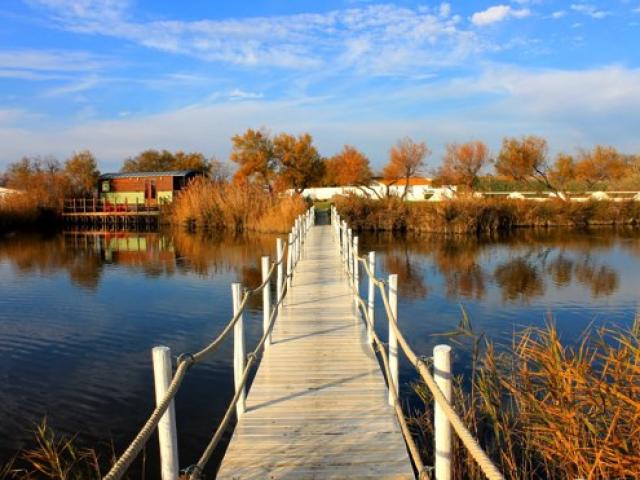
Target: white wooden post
356,275
393,339
372,296
289,259
167,432
238,349
442,376
266,300
350,255
280,257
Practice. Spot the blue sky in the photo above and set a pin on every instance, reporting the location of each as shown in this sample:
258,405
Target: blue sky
120,76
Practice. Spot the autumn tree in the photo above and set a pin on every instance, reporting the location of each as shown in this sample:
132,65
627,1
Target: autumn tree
462,164
163,161
406,159
349,167
298,162
253,152
599,165
42,179
563,171
82,173
526,160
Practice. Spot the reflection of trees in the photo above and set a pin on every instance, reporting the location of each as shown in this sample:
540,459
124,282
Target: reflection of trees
410,280
456,260
561,270
602,280
519,280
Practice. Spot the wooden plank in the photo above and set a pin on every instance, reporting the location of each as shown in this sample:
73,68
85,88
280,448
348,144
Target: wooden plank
318,406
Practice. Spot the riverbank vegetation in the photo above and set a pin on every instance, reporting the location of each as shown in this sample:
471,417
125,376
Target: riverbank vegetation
545,409
281,162
481,216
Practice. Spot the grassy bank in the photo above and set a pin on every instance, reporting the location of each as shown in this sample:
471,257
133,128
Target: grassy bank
237,207
481,215
547,410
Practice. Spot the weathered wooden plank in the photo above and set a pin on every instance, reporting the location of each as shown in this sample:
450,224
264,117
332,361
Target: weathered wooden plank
318,405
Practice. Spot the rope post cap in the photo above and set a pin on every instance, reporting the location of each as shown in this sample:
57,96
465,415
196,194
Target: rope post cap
441,348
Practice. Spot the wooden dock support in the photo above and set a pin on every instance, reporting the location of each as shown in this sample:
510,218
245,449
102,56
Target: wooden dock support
371,300
442,427
393,339
238,349
266,300
167,432
280,267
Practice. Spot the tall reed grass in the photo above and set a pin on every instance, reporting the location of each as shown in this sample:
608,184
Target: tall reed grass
548,410
234,206
481,215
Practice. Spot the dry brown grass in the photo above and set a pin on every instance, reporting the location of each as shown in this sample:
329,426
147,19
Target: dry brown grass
234,206
550,410
467,215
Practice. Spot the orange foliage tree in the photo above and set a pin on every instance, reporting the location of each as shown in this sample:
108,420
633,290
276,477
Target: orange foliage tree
526,159
601,164
349,167
406,160
462,164
82,172
563,171
298,162
253,152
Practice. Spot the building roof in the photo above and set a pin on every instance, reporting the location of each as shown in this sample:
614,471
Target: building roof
170,173
412,181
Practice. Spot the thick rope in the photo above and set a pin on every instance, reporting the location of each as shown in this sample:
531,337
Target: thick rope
213,443
479,455
184,363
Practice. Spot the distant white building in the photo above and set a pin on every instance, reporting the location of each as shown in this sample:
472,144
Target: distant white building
418,190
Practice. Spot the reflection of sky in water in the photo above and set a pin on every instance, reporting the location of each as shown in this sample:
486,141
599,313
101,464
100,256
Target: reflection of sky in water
79,314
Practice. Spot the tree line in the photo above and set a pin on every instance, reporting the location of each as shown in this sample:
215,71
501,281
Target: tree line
286,161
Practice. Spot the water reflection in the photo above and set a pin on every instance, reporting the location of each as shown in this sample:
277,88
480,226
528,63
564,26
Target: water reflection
522,267
84,255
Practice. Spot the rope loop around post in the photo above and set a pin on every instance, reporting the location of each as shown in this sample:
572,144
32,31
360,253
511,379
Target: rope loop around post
186,358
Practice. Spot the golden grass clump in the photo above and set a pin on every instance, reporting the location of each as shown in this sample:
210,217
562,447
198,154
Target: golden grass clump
547,410
235,206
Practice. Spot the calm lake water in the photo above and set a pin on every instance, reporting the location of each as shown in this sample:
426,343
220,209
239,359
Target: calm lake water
79,313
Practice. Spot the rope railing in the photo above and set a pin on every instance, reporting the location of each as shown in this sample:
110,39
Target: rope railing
294,249
348,245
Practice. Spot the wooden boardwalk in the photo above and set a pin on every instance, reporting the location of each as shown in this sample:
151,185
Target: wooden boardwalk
318,406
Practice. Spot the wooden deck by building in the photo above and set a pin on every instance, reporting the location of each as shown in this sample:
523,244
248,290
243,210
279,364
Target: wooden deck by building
318,406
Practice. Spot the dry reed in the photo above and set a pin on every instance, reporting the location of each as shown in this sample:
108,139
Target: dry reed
234,206
468,215
549,410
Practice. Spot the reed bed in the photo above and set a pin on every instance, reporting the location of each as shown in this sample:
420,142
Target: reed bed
234,206
481,215
548,410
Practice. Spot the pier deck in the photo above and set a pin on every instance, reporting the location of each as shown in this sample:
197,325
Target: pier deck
318,405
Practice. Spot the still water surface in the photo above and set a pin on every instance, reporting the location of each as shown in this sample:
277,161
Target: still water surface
79,313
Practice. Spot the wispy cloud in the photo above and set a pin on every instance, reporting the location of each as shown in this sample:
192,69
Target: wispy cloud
558,14
590,10
498,13
398,36
237,94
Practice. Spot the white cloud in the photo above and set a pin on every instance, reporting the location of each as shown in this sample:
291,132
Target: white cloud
444,10
558,14
399,37
498,13
590,10
237,94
